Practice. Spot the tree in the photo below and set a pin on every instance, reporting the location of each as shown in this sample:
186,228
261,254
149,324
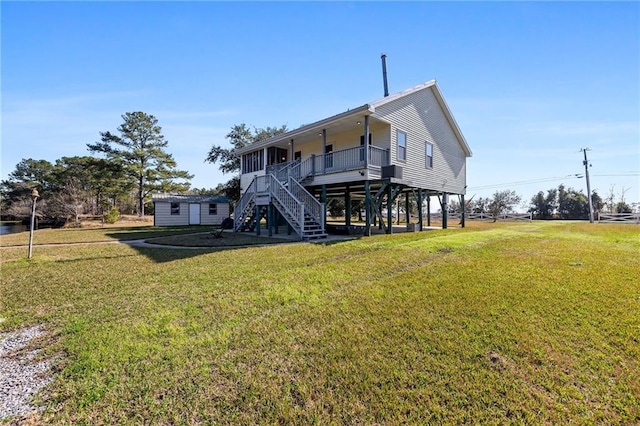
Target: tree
544,206
336,206
102,181
502,202
574,204
140,151
16,190
239,136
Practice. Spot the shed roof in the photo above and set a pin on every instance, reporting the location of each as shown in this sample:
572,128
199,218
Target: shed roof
170,198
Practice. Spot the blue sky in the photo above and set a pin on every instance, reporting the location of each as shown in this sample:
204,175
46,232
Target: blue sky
529,84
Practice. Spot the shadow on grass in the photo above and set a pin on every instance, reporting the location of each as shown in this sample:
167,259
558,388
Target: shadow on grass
179,244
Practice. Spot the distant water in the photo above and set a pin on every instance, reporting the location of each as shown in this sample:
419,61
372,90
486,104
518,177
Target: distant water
12,228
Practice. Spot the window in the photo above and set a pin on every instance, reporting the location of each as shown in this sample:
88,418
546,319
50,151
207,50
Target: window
428,152
175,208
402,145
213,209
297,155
253,161
276,155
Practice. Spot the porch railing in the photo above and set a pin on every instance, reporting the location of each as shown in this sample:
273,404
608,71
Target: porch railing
331,162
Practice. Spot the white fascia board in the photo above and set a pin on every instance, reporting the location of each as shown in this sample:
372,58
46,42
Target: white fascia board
404,93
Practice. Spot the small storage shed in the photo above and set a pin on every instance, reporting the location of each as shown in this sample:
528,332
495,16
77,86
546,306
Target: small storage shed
180,210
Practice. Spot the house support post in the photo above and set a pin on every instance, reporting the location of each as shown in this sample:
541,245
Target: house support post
367,208
419,201
429,210
347,207
462,209
406,208
270,219
389,209
444,207
257,219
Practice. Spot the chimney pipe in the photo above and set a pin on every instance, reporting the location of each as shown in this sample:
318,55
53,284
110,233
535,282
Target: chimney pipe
384,74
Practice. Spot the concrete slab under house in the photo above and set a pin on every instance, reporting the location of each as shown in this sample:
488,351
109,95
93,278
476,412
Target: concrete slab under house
399,150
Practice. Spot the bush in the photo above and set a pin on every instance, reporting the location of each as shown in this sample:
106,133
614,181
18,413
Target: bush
112,215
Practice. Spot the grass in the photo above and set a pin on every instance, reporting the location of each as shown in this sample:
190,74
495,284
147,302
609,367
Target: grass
497,323
227,239
92,235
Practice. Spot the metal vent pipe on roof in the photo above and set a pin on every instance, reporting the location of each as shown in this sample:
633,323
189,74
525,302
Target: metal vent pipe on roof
384,74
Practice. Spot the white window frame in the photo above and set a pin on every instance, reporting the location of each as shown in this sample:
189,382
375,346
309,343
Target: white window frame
401,149
428,158
213,207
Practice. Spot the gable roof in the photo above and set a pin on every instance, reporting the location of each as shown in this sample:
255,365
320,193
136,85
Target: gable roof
358,112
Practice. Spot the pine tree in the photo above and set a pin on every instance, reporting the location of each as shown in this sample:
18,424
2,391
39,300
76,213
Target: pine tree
140,150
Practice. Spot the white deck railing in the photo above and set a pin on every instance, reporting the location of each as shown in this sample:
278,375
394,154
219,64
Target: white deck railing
619,217
331,162
484,216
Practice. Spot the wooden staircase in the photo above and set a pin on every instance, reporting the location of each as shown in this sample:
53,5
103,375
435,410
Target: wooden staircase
300,209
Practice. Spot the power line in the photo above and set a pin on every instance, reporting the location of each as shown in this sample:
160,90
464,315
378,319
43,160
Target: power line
551,179
526,182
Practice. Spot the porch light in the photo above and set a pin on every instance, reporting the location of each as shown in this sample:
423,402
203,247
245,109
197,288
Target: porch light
358,122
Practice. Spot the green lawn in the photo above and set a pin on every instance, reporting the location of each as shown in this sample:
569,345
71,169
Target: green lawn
496,323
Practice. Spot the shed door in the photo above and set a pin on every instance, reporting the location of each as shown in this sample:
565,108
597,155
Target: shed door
194,214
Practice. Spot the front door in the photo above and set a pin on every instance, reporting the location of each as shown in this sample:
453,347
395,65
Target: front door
194,214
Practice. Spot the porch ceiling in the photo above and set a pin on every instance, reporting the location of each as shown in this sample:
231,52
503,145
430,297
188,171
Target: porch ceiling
347,121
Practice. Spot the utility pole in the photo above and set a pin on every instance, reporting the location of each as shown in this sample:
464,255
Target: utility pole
586,174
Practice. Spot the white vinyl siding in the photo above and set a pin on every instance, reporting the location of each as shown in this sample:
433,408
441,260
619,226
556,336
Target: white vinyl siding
422,117
163,216
168,215
222,212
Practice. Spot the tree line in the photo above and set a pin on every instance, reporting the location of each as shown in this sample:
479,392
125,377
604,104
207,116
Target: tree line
556,203
131,164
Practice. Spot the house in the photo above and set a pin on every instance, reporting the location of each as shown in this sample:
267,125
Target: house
174,210
413,149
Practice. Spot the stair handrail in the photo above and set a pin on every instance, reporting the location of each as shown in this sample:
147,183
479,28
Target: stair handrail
246,198
314,207
280,171
300,170
292,205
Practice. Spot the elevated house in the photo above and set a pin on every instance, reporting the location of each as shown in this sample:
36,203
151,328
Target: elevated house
413,148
